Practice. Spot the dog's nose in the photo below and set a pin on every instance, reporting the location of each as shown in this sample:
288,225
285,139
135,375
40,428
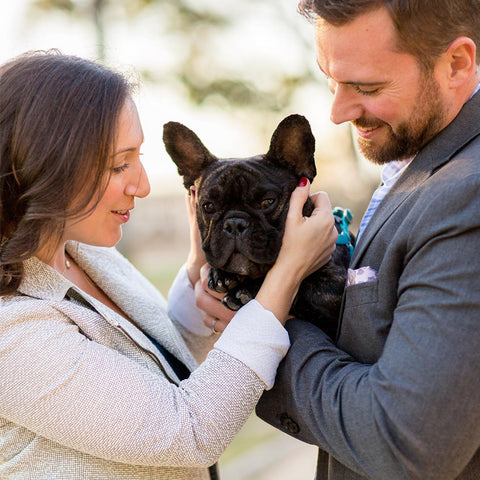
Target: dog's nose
235,226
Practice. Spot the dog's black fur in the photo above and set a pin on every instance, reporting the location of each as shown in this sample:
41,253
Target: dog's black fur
241,207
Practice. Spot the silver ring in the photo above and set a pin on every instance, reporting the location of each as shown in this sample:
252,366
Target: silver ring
212,326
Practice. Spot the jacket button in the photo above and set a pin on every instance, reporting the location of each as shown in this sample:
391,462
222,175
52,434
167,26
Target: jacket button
289,424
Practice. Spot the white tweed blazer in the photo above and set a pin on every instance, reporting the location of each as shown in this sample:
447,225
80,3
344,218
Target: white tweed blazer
84,394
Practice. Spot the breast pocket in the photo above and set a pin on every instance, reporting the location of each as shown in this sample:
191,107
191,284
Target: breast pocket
362,332
360,294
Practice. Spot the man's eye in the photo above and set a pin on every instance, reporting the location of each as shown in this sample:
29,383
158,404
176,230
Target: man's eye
208,207
366,90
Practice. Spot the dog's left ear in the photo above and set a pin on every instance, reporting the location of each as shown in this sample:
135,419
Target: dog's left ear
187,151
293,146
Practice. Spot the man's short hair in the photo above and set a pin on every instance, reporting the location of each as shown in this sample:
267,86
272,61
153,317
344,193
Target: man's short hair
425,28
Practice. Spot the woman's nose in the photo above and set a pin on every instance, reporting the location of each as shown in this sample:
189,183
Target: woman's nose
138,185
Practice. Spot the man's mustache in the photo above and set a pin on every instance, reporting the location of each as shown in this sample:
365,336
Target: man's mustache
369,123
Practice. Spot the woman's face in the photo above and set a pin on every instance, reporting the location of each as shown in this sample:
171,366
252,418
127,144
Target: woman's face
103,226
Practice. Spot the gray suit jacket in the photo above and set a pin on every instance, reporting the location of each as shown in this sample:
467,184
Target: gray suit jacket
398,395
86,395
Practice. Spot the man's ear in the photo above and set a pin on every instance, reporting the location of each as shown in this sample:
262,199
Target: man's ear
461,61
187,151
293,147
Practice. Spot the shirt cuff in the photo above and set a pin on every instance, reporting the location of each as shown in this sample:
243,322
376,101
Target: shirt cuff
181,305
257,339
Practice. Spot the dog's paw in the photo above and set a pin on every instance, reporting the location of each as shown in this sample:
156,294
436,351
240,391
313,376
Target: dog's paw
237,299
221,282
239,290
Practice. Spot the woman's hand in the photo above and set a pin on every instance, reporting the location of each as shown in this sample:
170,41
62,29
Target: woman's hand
216,315
308,244
196,257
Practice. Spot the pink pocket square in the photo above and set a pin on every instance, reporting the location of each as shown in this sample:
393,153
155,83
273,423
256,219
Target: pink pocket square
361,275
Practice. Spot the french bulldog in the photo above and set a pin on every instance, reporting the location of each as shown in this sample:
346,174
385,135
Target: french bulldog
241,207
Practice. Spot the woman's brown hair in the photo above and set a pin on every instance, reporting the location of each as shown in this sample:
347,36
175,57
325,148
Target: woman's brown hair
58,120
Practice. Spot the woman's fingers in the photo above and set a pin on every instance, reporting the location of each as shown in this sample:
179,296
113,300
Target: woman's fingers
308,242
196,256
216,314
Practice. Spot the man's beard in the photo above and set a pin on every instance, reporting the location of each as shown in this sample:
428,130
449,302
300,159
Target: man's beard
426,121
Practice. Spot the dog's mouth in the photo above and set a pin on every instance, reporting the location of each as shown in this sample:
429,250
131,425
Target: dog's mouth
241,265
250,252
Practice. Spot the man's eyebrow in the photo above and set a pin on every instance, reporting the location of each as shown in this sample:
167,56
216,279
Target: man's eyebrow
356,83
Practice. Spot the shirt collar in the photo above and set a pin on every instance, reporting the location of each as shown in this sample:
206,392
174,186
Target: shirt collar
476,90
392,170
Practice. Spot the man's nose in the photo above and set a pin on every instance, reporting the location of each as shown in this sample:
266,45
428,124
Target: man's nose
346,106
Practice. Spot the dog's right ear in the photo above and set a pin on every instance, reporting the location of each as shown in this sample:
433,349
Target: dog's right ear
187,151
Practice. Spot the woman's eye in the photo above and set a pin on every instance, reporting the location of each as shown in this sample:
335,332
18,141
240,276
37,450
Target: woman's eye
125,161
120,168
208,207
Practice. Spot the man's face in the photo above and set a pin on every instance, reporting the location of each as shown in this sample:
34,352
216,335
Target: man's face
394,106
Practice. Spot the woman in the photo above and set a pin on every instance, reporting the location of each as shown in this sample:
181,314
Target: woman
97,381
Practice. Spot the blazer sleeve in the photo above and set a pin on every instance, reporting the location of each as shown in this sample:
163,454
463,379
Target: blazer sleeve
414,413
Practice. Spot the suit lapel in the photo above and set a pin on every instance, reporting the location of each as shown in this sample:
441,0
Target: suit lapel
437,153
414,175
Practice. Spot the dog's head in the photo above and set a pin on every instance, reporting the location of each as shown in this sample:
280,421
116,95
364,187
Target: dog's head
241,203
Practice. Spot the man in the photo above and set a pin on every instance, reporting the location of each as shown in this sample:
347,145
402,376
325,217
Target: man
397,395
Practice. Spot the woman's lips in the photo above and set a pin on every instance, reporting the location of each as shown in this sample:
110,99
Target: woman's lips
123,215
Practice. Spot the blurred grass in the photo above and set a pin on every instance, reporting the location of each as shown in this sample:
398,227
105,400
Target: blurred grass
254,431
162,278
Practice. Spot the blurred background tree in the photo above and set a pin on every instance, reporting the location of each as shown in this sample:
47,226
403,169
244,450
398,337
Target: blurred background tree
243,64
195,27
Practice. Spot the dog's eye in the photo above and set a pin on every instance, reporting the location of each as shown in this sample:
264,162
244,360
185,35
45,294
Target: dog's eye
266,203
208,207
